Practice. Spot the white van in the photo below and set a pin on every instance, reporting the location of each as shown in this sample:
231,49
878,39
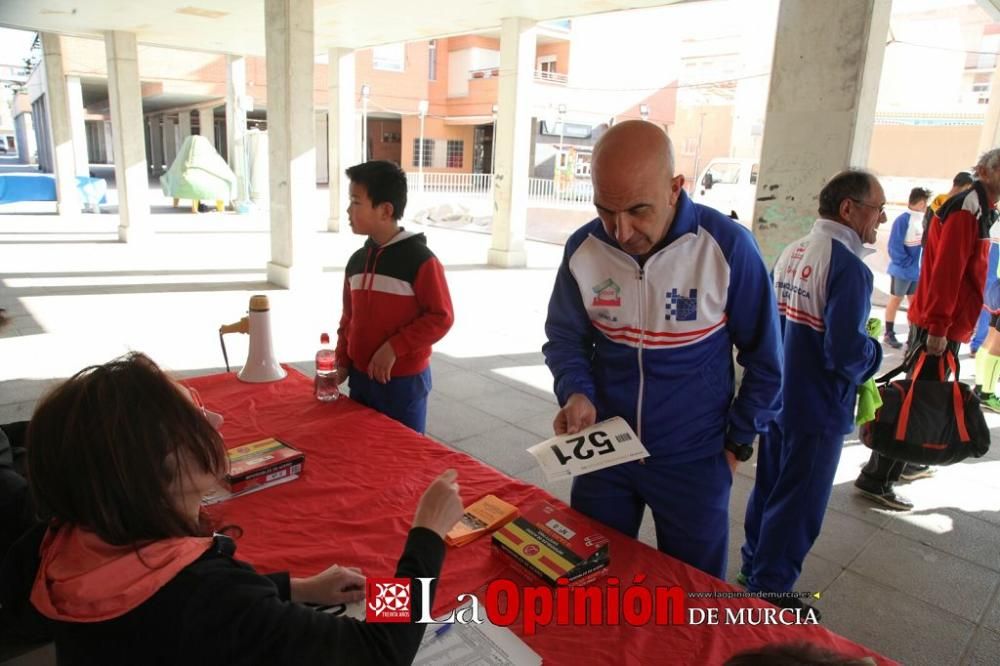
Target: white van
729,185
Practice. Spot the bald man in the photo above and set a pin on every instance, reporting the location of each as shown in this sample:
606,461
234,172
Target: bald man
648,303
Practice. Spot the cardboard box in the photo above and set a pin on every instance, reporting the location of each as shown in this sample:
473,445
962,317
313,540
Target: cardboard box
551,543
258,465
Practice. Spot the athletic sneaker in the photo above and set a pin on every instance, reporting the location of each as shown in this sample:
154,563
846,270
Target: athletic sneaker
991,403
913,472
890,339
888,499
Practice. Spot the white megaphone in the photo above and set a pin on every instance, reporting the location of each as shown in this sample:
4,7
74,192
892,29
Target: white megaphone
261,366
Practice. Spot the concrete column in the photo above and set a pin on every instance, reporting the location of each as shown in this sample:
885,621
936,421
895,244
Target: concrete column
156,144
76,113
820,110
292,146
206,124
21,135
63,151
236,117
169,140
125,97
341,140
513,142
184,127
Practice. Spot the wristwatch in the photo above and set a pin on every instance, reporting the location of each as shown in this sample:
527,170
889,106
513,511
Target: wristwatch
743,452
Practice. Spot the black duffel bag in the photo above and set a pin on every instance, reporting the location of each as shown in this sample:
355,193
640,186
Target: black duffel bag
925,421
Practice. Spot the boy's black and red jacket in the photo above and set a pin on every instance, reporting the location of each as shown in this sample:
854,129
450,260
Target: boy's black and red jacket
395,292
949,294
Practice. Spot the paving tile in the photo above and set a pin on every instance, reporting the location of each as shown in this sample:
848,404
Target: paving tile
540,424
951,583
511,405
738,497
845,498
991,619
450,422
465,384
818,574
984,650
18,411
842,537
503,448
952,531
22,390
893,623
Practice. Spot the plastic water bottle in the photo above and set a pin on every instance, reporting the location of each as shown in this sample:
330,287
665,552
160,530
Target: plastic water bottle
325,386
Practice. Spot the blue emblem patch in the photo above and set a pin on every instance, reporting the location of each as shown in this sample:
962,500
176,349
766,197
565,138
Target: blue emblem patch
681,308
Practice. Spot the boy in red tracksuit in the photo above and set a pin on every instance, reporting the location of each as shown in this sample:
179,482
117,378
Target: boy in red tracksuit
396,301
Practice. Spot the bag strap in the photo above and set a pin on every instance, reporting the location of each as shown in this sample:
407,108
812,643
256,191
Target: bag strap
963,429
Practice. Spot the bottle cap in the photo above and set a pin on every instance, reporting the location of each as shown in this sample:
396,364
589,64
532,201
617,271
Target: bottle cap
324,339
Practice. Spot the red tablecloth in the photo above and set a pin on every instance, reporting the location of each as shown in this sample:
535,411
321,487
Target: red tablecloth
355,500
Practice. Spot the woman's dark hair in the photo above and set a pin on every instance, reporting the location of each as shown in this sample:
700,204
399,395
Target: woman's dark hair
850,184
384,181
106,447
794,654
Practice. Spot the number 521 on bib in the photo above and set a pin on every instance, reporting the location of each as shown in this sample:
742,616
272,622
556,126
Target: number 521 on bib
603,444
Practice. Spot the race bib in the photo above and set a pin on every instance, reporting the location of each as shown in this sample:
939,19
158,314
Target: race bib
603,444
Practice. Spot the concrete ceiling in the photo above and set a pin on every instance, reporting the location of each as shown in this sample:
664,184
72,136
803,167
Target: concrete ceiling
237,26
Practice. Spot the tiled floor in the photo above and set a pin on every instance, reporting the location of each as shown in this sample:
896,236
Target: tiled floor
921,587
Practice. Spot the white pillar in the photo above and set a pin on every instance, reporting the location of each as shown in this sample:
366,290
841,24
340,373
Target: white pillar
125,98
24,149
291,142
109,144
206,124
57,102
341,143
77,111
236,117
820,109
513,142
184,126
989,136
156,144
169,140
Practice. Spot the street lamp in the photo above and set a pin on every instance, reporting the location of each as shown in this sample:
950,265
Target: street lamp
644,111
366,91
422,109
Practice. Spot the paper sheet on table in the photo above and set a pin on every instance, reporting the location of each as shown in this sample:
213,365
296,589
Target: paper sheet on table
467,644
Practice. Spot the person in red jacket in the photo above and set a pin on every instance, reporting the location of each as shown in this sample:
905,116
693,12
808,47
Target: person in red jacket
396,301
944,311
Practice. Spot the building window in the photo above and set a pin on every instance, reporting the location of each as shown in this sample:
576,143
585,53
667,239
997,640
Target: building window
432,60
424,156
389,58
454,154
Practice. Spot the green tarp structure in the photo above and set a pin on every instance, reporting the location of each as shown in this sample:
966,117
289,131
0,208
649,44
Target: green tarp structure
200,173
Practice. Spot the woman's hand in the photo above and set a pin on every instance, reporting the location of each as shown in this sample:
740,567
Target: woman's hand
336,585
440,507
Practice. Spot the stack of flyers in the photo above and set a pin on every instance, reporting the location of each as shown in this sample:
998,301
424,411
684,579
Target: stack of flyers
481,517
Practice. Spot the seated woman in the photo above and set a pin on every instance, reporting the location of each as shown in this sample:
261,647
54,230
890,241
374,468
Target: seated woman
129,571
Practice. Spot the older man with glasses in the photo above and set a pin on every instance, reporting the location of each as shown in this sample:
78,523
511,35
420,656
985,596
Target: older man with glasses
824,298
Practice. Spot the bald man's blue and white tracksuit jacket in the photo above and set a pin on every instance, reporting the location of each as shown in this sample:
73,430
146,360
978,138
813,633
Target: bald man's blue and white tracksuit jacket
653,343
824,299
